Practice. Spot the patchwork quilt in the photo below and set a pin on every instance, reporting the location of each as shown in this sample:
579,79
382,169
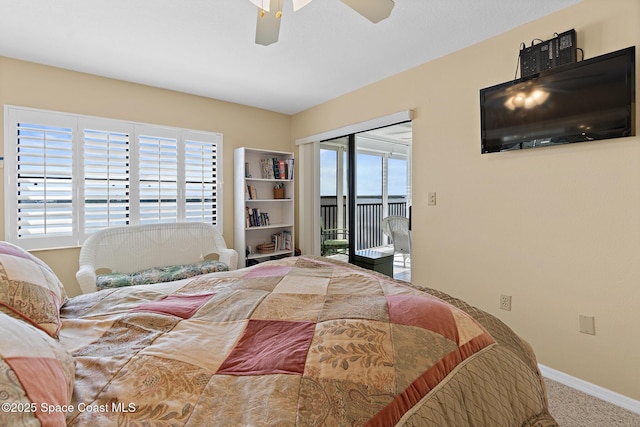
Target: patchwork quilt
299,341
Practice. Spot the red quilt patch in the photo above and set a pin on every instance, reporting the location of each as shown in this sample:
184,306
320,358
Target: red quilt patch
44,383
270,347
183,306
424,312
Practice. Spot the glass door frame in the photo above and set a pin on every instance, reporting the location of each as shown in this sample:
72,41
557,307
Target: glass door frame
352,152
308,176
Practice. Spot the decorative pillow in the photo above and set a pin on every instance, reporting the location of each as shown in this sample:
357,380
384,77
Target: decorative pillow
36,374
29,289
159,274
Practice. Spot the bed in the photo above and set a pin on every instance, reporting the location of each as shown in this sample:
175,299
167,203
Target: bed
304,341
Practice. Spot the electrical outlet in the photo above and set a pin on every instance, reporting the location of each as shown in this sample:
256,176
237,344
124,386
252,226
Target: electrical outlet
432,199
505,302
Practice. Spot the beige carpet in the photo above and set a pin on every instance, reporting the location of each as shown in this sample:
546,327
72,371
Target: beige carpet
572,408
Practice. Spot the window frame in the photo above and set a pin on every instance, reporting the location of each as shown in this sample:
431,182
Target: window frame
13,115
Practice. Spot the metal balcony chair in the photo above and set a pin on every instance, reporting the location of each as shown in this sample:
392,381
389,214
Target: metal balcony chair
397,228
333,240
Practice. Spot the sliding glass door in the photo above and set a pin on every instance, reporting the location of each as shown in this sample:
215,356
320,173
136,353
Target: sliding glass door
365,177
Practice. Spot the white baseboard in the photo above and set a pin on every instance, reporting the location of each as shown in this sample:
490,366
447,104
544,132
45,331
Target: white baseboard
591,389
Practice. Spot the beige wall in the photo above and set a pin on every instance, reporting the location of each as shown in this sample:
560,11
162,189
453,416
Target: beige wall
31,85
557,228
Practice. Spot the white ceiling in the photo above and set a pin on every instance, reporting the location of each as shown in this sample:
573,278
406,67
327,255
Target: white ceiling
206,47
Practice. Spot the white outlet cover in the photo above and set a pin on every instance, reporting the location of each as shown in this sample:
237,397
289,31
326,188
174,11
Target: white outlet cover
587,325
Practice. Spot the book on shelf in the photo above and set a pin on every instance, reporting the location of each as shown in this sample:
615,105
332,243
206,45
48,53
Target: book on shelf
276,239
266,168
252,192
255,218
276,168
282,240
273,168
287,237
290,168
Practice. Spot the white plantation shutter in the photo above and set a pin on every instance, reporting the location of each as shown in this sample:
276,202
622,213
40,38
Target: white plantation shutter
44,178
201,178
158,160
68,176
106,179
39,179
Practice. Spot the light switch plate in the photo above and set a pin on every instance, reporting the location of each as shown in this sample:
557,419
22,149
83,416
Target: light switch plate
587,325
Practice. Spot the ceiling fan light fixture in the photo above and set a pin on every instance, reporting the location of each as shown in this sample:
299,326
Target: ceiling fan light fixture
270,12
268,22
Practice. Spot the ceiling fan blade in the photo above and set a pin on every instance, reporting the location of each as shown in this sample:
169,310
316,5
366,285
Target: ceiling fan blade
268,25
262,4
299,4
374,10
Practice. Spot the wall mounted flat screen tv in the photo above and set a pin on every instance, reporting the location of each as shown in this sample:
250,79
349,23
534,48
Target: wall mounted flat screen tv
583,101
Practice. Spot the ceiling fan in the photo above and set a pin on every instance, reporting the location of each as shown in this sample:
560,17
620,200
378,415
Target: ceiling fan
270,12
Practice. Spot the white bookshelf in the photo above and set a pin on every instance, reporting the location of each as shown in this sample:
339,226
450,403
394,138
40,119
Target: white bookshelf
248,171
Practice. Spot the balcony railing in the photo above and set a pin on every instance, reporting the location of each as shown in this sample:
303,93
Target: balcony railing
369,211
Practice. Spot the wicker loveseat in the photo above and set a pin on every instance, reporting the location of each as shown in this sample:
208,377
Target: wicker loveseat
134,249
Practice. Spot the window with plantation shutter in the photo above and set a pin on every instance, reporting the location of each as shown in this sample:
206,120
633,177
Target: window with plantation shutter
44,180
201,177
158,161
68,176
106,179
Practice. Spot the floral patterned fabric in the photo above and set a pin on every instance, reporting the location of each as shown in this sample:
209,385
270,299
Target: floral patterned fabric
159,274
29,289
36,373
299,341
